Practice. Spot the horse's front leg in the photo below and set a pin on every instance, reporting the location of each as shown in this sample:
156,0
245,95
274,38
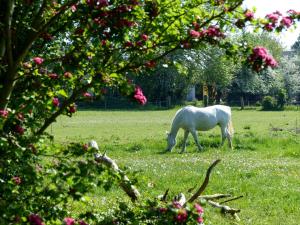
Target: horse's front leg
194,133
186,134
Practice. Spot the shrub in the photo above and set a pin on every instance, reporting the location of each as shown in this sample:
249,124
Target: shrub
268,103
281,99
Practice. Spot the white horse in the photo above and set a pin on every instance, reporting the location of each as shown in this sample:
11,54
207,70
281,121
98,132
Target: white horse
191,119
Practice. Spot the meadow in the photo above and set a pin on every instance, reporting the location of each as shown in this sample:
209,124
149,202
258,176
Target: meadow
264,166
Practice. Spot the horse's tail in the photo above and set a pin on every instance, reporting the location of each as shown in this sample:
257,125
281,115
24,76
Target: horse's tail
230,128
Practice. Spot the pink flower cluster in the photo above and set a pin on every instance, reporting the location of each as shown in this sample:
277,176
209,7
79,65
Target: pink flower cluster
55,102
181,216
139,96
71,221
38,60
35,219
210,32
3,113
200,212
17,180
249,15
276,19
260,59
19,129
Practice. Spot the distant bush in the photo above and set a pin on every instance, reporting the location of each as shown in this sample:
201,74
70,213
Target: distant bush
281,99
258,103
268,103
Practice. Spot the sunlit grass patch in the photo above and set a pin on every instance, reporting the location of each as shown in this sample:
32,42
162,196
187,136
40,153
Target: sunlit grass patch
264,165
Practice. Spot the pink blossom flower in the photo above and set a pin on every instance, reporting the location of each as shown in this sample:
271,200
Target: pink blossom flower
87,95
73,8
249,15
72,108
260,52
198,208
38,60
128,44
17,180
53,76
273,17
200,220
163,210
3,113
20,116
194,34
269,27
19,129
81,222
286,21
139,96
270,61
55,102
144,37
35,219
176,205
214,31
69,221
293,12
260,59
196,25
181,216
68,75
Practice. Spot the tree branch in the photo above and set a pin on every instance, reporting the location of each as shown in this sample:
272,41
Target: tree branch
53,117
125,183
205,182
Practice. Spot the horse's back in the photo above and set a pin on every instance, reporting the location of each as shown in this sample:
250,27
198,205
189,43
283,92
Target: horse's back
191,117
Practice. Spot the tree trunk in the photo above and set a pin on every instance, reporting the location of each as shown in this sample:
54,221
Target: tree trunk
242,102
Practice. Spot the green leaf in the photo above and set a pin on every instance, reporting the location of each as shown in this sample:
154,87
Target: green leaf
62,93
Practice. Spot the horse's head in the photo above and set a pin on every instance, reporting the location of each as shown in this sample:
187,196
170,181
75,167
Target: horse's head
171,140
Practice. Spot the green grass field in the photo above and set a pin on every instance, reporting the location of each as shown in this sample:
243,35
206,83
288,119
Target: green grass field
264,167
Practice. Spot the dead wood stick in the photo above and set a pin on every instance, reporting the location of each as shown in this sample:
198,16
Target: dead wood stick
205,182
232,199
214,196
125,183
225,209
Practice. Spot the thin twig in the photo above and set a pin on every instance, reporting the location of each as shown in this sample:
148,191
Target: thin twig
232,199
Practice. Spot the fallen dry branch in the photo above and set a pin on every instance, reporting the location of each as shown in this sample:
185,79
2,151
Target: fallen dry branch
225,209
205,182
214,196
232,199
125,183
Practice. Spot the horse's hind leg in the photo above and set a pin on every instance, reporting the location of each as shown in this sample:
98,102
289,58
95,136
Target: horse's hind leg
186,134
194,133
223,134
